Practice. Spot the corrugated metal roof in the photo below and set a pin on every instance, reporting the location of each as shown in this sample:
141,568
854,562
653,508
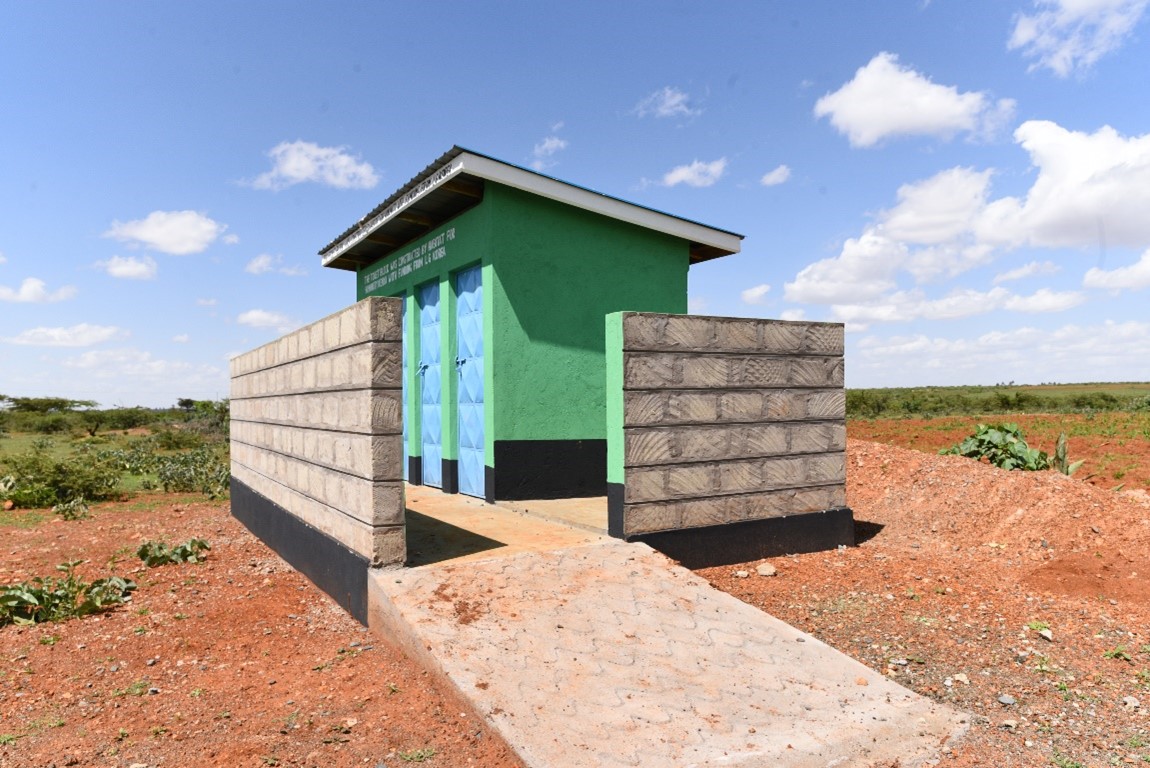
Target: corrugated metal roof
455,182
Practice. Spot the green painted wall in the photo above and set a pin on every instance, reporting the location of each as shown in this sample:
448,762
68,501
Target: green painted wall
558,271
614,379
551,272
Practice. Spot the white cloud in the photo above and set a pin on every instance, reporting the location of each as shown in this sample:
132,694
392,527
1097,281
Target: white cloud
297,162
909,306
1069,35
1092,190
207,302
262,318
3,258
1134,277
265,263
755,295
231,239
865,269
33,290
181,338
1044,300
776,177
697,306
792,314
161,376
82,335
175,232
129,268
543,152
885,99
1022,354
667,102
1027,270
697,174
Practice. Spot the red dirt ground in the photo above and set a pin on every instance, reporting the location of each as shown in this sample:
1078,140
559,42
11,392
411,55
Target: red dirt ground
959,566
237,661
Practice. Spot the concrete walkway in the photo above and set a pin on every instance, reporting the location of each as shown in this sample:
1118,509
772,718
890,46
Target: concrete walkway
595,652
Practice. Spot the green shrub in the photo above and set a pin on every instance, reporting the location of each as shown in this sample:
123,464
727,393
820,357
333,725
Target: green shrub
76,509
1002,445
39,480
169,439
155,553
54,599
203,470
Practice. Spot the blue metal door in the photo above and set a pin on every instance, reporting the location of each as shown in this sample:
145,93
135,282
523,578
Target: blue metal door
469,364
430,390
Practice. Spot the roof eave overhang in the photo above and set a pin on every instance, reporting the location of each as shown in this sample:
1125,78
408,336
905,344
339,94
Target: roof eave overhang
368,240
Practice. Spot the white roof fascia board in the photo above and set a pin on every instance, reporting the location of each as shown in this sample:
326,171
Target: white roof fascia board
449,171
545,186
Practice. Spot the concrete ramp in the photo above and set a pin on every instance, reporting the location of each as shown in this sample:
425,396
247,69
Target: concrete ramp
608,654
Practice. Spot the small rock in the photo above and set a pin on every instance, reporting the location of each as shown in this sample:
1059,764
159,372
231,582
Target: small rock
1046,634
766,569
1131,703
962,678
153,691
150,663
741,574
1010,725
1007,700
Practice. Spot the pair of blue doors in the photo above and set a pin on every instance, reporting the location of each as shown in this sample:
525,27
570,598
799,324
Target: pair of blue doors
468,366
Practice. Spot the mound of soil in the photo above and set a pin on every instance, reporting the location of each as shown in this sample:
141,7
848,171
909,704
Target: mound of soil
1021,597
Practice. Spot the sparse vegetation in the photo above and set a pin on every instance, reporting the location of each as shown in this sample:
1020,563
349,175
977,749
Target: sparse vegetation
1003,446
59,599
155,553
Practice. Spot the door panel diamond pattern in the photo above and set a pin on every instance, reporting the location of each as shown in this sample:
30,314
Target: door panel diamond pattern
430,390
469,363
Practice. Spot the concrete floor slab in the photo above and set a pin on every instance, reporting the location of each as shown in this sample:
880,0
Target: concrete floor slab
602,653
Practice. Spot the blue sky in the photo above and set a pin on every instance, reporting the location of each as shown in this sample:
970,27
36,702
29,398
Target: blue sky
964,183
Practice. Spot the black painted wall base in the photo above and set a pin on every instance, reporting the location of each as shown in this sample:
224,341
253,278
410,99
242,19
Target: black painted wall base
337,570
415,470
450,469
754,539
548,469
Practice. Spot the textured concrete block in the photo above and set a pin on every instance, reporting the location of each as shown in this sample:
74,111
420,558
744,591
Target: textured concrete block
830,468
644,408
740,406
386,318
740,476
786,405
645,485
691,481
647,371
700,512
705,371
645,518
783,338
642,331
824,339
831,404
738,335
389,546
687,332
692,408
761,371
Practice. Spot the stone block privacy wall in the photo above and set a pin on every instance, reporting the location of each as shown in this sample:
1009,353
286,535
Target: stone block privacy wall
718,421
316,443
